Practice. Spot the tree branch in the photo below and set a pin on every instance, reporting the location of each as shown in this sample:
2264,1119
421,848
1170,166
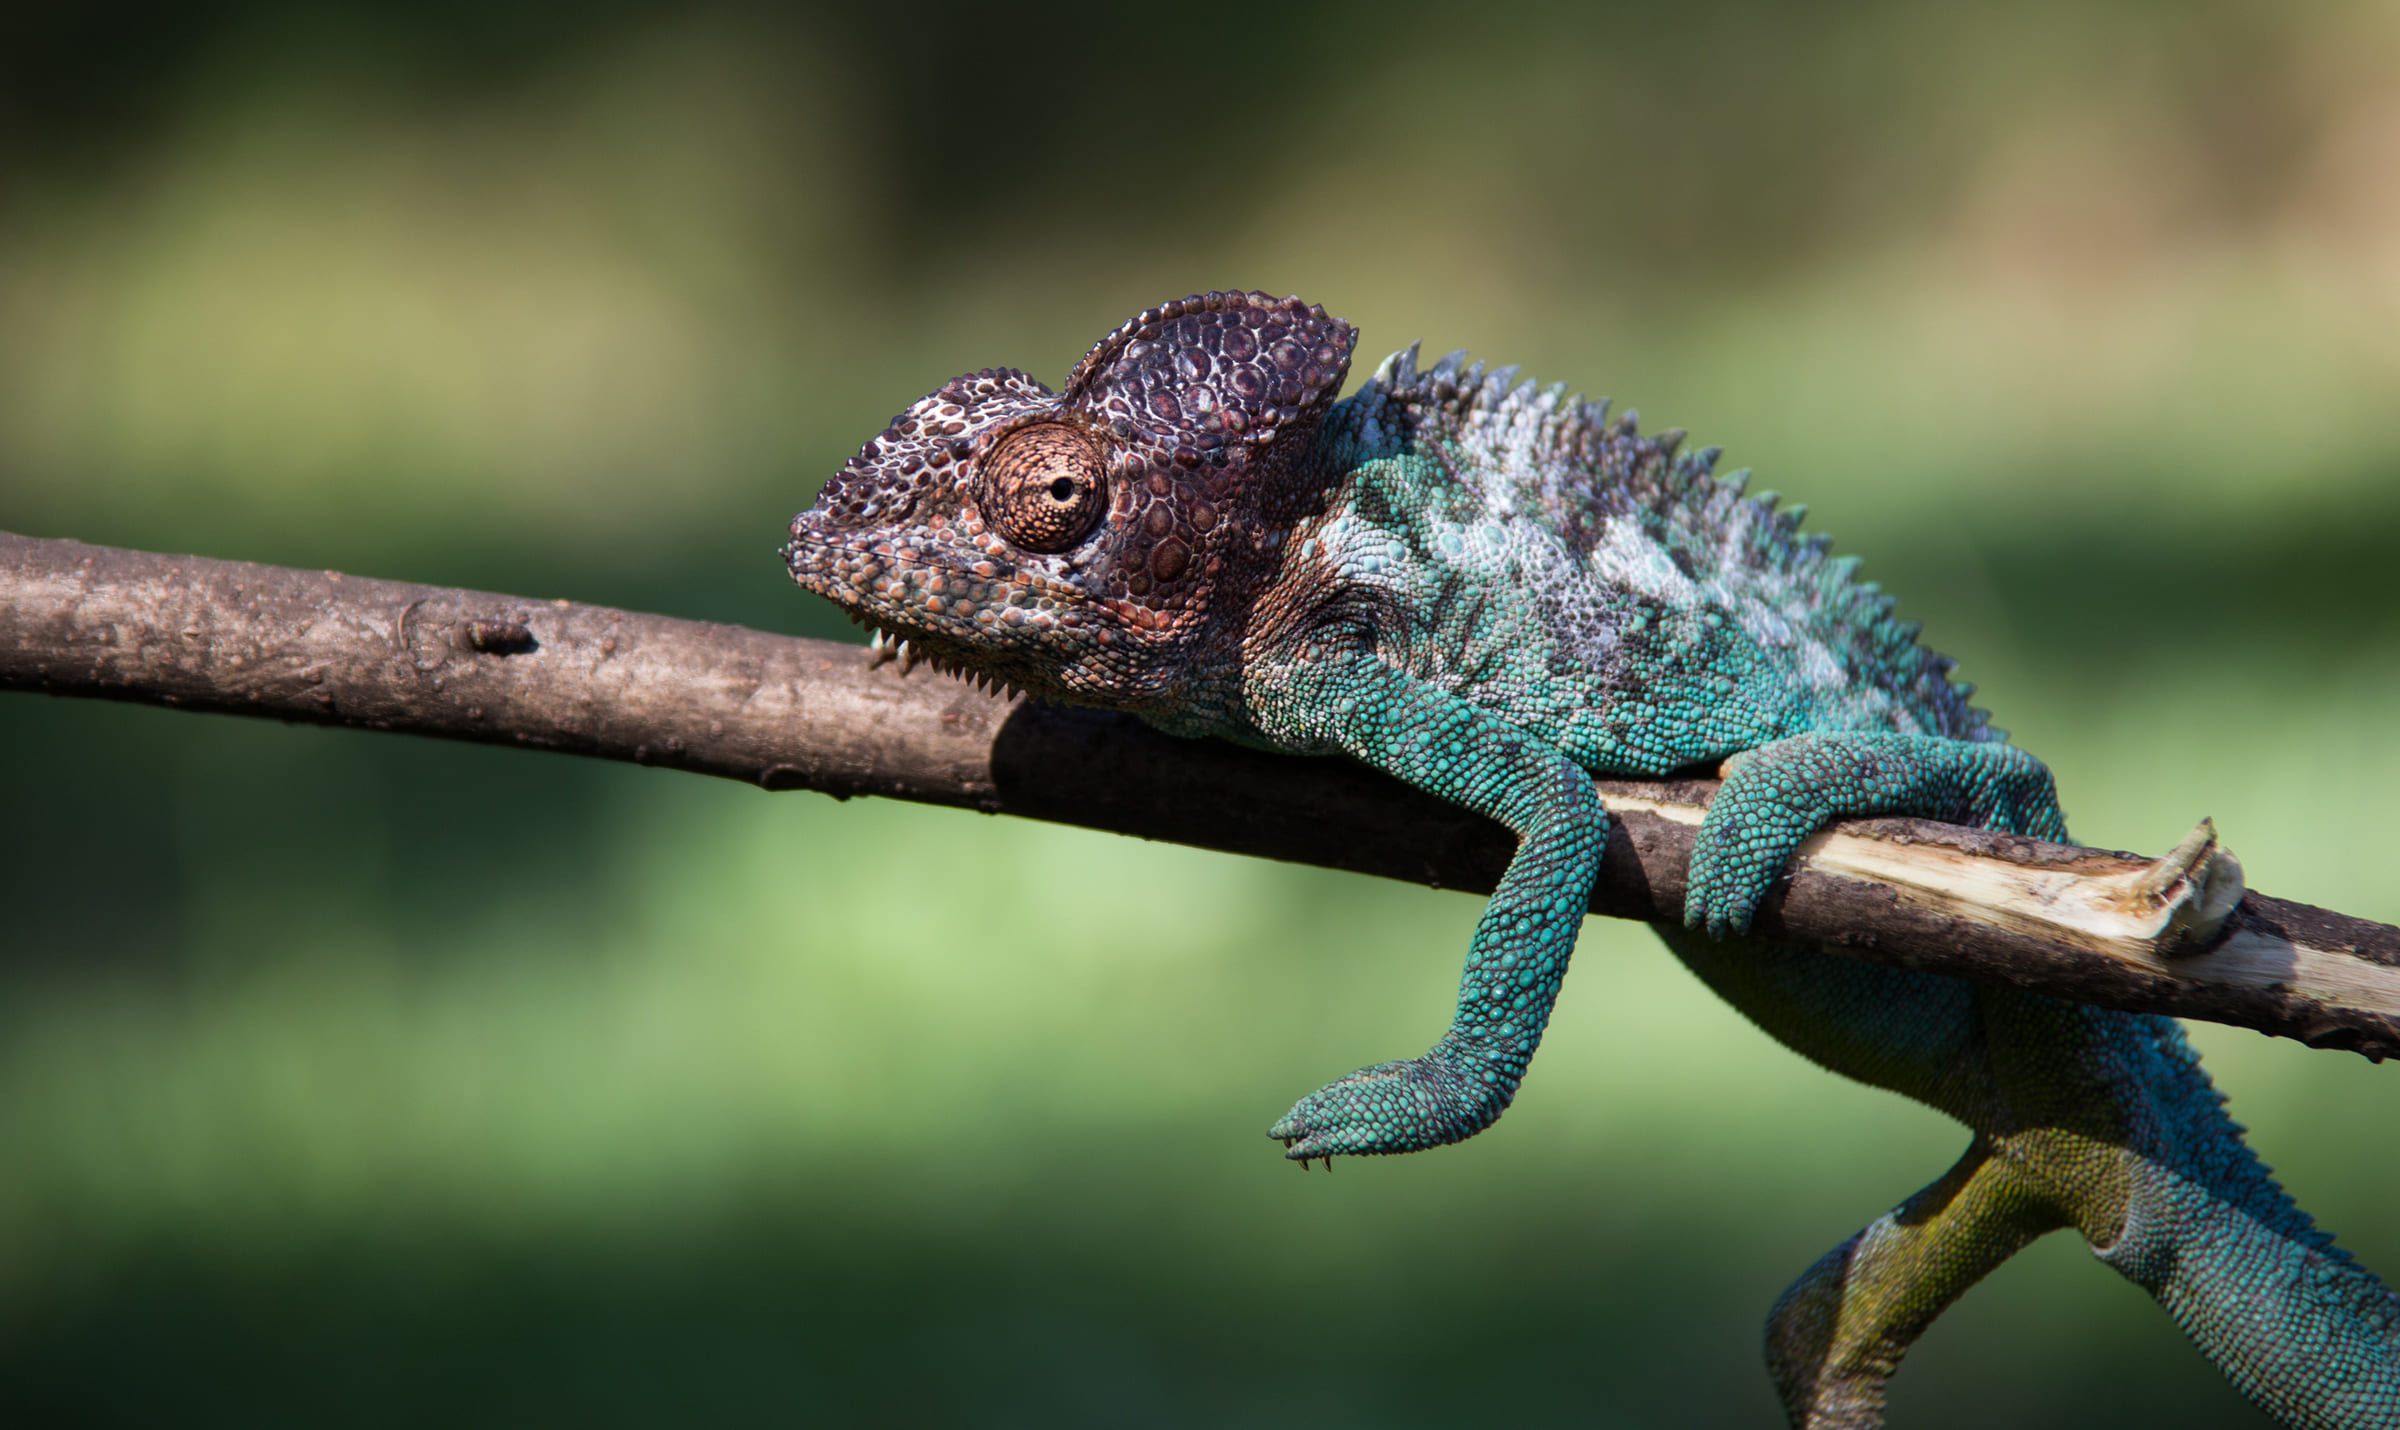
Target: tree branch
2177,935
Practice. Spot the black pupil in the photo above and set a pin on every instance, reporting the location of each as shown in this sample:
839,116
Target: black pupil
1062,489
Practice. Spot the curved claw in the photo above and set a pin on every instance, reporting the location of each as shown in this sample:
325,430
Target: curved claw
1394,1107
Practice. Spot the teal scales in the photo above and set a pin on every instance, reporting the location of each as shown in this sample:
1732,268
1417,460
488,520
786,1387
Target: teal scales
1494,591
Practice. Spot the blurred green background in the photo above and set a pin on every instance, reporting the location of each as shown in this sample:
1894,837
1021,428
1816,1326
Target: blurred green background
346,1079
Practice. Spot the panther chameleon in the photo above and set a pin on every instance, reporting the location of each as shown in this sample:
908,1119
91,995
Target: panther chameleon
1495,591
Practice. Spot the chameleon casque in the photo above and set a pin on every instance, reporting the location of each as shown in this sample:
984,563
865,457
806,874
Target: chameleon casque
1494,592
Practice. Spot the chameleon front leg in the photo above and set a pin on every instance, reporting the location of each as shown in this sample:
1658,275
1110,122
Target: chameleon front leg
1777,795
1460,753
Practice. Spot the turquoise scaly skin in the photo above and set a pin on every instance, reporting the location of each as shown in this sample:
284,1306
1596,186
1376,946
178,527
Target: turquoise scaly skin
1493,592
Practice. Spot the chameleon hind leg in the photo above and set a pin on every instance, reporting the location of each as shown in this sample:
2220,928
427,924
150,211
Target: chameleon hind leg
1835,1338
2082,1117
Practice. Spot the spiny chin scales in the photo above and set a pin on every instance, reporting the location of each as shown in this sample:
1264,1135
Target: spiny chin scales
882,649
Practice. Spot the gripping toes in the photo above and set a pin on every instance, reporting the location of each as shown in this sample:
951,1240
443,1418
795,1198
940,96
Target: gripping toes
1395,1107
1775,796
1760,817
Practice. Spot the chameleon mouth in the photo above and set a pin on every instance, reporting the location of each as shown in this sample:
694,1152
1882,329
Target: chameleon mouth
911,651
860,576
859,572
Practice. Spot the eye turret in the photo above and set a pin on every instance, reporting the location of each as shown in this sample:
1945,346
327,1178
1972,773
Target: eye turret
1044,487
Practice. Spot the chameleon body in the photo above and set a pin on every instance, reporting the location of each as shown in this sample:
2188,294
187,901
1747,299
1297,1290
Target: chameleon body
1494,592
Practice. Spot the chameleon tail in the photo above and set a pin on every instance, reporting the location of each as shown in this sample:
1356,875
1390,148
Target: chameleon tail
2292,1320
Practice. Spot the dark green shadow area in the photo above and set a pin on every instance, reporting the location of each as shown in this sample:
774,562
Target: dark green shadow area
1060,1302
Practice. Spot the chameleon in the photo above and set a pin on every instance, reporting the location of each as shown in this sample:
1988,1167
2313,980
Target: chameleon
1495,592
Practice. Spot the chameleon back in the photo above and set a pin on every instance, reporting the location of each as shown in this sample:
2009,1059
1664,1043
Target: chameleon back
1558,567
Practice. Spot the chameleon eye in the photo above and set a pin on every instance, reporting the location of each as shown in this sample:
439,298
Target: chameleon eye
1044,487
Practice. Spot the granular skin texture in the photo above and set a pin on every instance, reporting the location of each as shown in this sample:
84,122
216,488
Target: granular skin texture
1494,591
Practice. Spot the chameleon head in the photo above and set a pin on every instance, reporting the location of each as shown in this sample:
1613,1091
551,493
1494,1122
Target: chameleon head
1077,542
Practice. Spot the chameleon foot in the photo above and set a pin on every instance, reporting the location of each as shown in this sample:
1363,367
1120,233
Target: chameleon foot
1394,1107
1777,795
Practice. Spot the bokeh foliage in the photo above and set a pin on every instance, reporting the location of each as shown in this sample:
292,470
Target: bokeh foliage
345,1079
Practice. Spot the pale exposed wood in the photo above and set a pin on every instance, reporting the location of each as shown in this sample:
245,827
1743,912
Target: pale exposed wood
2176,935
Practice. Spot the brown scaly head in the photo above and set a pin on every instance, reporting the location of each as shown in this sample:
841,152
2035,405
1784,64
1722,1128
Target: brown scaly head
1077,543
